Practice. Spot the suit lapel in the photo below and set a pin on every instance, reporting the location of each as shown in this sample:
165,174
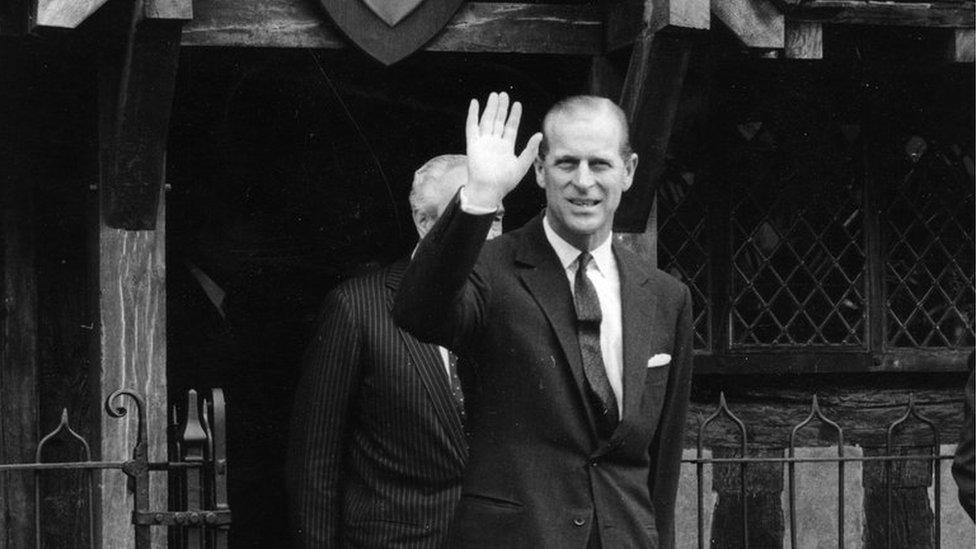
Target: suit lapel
545,279
636,302
426,359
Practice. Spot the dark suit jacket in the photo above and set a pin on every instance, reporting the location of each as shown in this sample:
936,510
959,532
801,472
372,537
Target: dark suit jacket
538,474
377,448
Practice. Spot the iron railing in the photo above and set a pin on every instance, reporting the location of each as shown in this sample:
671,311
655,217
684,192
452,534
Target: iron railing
816,413
199,516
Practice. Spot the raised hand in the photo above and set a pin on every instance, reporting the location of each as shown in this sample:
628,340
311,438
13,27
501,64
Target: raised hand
493,168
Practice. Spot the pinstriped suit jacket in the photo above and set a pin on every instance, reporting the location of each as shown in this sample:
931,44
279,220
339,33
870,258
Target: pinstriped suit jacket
376,448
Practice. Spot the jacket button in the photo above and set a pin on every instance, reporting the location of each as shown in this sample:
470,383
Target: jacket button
579,521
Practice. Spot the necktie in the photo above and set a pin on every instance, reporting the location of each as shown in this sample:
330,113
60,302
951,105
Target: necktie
455,383
588,317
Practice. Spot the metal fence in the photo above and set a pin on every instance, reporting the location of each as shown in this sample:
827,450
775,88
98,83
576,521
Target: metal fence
198,516
934,458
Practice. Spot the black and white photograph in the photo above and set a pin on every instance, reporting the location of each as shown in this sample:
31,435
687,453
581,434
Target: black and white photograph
450,274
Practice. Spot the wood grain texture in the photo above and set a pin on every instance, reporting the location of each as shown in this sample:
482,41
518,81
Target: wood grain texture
130,351
626,19
18,359
136,151
132,345
18,304
477,27
169,9
757,23
803,40
854,12
771,407
963,46
64,13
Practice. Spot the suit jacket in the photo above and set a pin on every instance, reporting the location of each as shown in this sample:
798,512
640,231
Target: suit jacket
377,448
538,473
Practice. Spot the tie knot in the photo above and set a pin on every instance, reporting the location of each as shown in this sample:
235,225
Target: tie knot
584,260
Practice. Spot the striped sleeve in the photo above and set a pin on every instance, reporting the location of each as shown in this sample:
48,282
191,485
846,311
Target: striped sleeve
318,433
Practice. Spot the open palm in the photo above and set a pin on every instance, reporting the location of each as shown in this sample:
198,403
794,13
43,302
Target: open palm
493,167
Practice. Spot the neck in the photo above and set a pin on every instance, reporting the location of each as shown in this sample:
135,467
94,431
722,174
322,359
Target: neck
582,242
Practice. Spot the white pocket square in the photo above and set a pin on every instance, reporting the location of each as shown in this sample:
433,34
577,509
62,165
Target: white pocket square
658,360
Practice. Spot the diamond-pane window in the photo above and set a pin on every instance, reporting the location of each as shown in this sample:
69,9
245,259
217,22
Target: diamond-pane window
798,262
682,243
929,256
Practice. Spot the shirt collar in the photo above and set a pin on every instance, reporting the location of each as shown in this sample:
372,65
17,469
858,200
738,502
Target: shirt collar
567,253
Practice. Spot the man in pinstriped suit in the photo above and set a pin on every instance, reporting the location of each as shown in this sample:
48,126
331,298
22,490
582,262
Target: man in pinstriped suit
376,449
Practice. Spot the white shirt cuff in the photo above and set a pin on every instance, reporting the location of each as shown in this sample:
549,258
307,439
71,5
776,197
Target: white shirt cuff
474,209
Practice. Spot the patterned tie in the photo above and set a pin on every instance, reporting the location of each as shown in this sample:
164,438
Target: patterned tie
452,361
588,317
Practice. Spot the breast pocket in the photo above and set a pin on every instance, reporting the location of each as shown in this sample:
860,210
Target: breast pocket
657,375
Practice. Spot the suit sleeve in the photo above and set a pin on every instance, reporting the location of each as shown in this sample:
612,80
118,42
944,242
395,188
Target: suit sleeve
330,373
442,298
964,463
667,444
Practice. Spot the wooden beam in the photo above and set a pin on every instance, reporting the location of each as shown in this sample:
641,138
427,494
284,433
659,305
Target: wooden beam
855,12
627,19
66,14
146,76
169,9
130,351
18,312
477,27
803,40
962,46
652,92
757,23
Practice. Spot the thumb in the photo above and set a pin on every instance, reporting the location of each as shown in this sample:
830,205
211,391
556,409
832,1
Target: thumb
529,153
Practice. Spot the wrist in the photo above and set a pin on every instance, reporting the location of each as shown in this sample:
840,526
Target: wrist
480,197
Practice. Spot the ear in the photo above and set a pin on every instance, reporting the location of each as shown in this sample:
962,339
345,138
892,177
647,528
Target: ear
423,221
630,168
539,164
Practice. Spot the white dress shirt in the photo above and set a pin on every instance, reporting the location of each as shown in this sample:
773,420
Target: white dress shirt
605,276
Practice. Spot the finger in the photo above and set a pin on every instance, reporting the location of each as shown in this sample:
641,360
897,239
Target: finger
471,124
499,126
488,116
511,127
529,153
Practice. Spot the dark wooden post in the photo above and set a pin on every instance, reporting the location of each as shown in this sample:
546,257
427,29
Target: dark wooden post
18,312
650,96
135,98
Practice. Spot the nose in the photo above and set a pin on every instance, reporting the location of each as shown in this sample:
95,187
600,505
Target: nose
584,177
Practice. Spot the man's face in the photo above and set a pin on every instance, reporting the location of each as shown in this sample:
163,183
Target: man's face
448,185
584,174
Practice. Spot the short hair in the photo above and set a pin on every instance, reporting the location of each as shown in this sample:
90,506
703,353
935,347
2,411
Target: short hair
425,191
587,103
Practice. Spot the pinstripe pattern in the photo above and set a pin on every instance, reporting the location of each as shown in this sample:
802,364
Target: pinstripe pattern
376,448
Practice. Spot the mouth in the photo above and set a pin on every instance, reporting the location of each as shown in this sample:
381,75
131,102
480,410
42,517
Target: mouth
584,202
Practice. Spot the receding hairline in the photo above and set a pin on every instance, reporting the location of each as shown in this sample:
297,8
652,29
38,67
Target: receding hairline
589,104
425,192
